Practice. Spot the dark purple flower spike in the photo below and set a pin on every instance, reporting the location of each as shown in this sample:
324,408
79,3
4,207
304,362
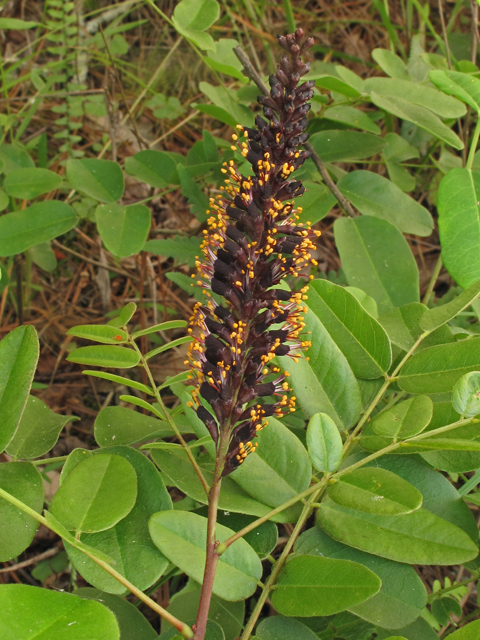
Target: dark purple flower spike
255,240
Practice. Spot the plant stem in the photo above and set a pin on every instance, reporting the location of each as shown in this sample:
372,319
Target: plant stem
181,627
473,146
437,594
223,546
433,280
169,418
211,561
47,461
280,562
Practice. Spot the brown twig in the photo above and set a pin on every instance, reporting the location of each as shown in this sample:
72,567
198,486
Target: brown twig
444,30
95,262
475,34
139,138
35,559
250,71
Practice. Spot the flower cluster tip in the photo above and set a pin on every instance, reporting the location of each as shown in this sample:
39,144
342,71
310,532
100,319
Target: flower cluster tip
255,239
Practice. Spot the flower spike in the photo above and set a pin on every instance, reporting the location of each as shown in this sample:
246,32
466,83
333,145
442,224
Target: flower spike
255,240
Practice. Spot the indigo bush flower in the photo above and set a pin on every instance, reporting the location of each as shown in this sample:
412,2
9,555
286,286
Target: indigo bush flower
255,240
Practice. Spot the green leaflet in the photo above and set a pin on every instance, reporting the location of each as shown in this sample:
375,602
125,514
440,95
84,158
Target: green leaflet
23,481
325,383
30,613
402,595
377,259
98,493
459,225
437,369
181,537
415,538
317,586
362,340
19,352
128,543
324,443
374,195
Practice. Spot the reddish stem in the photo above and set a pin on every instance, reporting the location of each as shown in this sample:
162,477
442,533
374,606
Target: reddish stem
211,561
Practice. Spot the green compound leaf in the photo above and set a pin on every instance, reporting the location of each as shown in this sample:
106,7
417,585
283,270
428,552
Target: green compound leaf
18,360
444,607
99,179
123,230
128,543
402,596
181,537
436,317
97,494
152,167
23,481
375,491
466,395
362,340
459,225
377,259
406,419
108,356
31,182
38,430
39,223
324,443
32,613
374,195
314,586
437,369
